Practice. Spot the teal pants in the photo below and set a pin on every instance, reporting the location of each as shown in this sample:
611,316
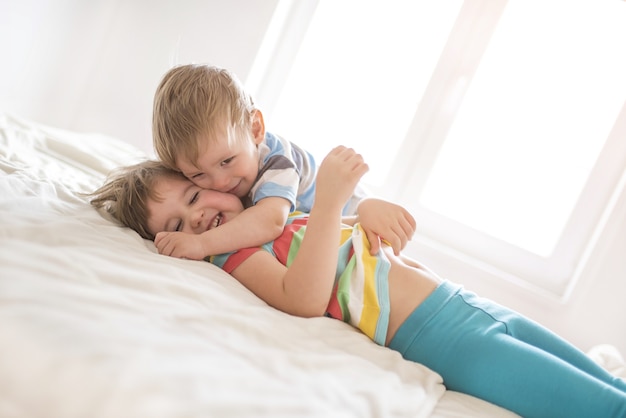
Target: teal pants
488,351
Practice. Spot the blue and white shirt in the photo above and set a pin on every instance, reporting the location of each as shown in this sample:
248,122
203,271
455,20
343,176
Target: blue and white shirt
285,170
288,171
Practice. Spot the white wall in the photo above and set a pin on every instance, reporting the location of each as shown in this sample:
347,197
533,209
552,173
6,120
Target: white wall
94,65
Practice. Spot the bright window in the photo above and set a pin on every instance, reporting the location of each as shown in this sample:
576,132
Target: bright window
352,80
498,123
533,122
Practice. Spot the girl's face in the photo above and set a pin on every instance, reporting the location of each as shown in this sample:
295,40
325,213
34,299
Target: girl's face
188,208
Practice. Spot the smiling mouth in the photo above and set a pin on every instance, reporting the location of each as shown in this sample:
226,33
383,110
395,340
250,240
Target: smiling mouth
217,221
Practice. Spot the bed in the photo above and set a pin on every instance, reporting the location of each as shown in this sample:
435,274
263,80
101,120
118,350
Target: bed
95,323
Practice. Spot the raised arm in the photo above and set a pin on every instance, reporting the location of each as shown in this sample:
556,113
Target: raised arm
305,287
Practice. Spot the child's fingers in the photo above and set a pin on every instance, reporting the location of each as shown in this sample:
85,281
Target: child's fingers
405,228
161,242
395,243
411,224
397,237
357,163
165,243
158,240
351,158
340,163
374,241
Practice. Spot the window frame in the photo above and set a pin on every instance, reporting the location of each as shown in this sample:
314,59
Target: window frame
555,275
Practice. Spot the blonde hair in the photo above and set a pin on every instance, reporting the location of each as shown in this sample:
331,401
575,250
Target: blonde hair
194,100
126,192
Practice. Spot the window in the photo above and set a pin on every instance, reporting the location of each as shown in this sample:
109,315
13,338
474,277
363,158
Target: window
498,123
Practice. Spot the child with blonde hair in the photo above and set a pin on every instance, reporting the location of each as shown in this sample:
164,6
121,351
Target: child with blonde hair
321,265
206,126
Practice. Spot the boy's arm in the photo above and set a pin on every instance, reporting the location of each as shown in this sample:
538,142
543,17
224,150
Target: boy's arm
383,220
305,287
254,226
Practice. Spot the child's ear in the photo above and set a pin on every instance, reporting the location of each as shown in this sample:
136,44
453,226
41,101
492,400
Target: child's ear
258,127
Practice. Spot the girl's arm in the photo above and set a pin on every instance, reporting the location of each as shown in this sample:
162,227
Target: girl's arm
305,287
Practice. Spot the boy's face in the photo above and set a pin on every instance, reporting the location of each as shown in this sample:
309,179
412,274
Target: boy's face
188,208
228,163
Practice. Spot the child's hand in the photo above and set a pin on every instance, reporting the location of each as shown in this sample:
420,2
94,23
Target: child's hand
180,245
382,220
338,175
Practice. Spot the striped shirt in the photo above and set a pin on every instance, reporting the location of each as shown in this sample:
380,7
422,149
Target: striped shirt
288,171
360,295
285,170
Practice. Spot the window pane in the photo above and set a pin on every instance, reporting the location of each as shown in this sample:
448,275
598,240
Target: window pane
359,75
533,121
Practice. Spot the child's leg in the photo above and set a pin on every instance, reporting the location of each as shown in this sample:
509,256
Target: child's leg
471,348
538,336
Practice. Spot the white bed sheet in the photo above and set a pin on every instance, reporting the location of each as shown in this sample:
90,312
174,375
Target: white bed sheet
94,323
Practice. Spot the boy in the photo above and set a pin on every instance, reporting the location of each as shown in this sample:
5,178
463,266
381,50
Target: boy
318,267
206,126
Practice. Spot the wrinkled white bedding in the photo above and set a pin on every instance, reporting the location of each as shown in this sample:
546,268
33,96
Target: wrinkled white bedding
94,323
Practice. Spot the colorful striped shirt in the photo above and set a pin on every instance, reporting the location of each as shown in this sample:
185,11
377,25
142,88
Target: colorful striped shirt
360,295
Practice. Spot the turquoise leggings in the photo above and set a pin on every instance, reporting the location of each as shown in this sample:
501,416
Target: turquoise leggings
488,351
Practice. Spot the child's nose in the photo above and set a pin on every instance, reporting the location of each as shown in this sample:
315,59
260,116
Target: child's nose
196,218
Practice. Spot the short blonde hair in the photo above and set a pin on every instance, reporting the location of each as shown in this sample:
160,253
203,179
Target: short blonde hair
194,100
127,190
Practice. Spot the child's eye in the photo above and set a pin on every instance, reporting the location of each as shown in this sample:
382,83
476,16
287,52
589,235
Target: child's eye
227,161
179,226
194,198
